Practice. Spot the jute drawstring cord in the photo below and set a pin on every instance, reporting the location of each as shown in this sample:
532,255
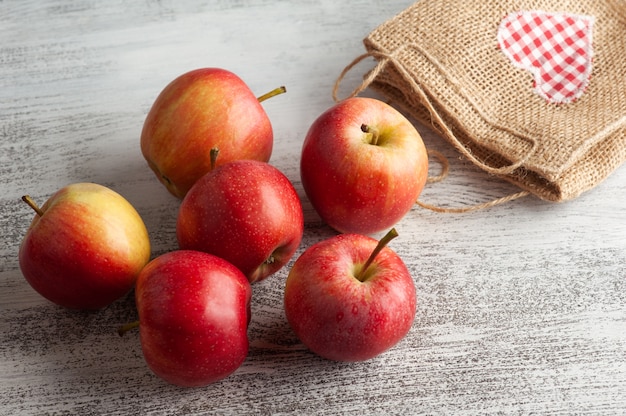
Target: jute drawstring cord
383,59
443,161
445,168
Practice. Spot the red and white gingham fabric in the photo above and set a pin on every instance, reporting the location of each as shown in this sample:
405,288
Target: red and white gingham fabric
557,48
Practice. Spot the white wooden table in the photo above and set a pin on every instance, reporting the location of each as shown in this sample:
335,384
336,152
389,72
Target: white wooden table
522,307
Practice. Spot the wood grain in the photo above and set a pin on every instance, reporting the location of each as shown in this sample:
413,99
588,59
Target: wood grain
522,307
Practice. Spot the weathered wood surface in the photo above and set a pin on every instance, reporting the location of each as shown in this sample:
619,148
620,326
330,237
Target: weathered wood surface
522,307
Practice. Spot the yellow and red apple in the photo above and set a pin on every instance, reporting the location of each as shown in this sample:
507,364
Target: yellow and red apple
199,110
85,247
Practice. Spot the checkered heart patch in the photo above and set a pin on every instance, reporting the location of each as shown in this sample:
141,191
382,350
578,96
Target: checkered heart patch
555,47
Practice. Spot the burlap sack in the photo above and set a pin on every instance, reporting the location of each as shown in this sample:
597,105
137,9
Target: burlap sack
441,60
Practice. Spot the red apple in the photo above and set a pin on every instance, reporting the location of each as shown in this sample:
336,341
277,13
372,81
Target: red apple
363,166
194,310
350,298
199,110
85,247
246,212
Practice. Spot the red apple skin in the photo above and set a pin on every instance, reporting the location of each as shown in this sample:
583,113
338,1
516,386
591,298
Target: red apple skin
355,186
340,317
87,248
246,212
194,311
199,110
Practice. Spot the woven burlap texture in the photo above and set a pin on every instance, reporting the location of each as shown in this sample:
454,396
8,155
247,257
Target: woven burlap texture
440,61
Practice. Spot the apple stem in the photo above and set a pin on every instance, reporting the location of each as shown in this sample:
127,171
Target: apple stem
125,328
274,92
32,204
213,155
373,131
382,243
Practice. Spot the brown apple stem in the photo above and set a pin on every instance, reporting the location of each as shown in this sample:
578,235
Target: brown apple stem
213,155
32,204
125,328
382,243
274,92
373,131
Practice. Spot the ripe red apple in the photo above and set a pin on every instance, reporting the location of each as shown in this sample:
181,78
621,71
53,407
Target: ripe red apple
363,166
85,247
194,311
350,298
199,110
246,212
